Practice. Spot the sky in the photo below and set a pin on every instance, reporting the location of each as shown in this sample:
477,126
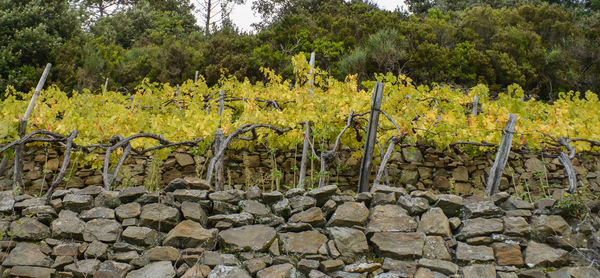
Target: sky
243,16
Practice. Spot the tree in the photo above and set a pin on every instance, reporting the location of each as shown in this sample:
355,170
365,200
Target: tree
31,33
214,12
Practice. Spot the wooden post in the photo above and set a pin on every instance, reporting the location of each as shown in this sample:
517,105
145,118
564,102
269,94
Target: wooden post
196,77
566,161
501,157
475,104
365,164
219,177
105,86
3,164
17,175
311,79
304,155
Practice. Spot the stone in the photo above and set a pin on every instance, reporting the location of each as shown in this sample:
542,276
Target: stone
109,199
67,225
349,242
77,202
322,194
549,225
408,176
282,207
109,269
539,254
317,274
516,226
508,254
329,266
106,230
197,183
414,205
583,272
426,273
128,256
140,235
96,249
313,216
158,269
398,245
248,238
236,219
7,202
159,216
214,258
190,195
280,270
27,228
513,203
254,265
83,268
455,223
272,197
32,272
66,249
301,202
479,271
224,196
460,173
362,267
442,266
306,266
184,159
254,207
190,234
130,194
532,274
197,271
129,210
390,218
450,204
303,243
467,253
222,271
27,254
480,227
485,208
435,222
349,214
163,253
194,211
435,248
97,213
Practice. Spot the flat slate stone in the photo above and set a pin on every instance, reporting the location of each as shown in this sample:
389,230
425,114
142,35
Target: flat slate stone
398,245
349,242
390,218
304,242
349,214
158,269
190,234
248,238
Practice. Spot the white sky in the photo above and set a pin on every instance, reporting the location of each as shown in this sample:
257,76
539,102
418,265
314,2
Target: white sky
243,16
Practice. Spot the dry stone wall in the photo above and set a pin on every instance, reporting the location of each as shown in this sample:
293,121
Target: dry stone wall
423,168
188,230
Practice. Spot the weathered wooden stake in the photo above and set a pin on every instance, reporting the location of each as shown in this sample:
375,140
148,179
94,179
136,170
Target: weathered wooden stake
105,86
566,161
17,175
501,157
306,144
311,80
196,77
304,155
219,178
475,104
365,164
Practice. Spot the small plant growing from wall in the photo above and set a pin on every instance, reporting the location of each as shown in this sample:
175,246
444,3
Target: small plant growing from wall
153,174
